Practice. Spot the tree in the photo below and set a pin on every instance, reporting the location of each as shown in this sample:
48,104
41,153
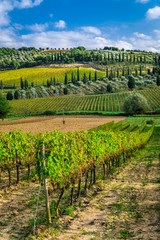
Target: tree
158,80
54,81
84,78
9,96
140,70
26,84
136,104
66,79
78,75
15,64
65,91
109,88
1,85
90,76
16,95
131,82
21,83
106,72
95,76
4,107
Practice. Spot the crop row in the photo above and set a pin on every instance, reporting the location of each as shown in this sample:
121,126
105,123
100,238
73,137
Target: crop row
69,156
108,102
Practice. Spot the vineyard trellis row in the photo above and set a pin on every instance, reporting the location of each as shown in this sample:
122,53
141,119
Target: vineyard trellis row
109,102
70,156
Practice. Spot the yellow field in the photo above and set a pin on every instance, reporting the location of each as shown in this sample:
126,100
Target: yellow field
40,75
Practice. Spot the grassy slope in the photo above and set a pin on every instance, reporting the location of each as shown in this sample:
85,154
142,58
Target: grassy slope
40,75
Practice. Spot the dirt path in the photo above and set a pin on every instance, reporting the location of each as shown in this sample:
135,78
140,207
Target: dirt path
128,207
50,123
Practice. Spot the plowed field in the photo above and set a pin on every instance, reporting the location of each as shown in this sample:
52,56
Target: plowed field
50,123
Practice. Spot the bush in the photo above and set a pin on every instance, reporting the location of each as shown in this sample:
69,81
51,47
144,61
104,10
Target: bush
136,104
157,111
4,107
9,96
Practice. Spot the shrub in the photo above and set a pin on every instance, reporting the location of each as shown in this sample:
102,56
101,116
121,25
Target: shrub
9,96
136,104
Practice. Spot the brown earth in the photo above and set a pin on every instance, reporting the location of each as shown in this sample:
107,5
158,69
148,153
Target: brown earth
50,123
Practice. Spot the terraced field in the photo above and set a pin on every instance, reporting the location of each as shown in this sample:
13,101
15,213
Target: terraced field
108,102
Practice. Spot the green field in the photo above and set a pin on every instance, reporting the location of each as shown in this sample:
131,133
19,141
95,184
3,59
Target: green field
106,102
41,75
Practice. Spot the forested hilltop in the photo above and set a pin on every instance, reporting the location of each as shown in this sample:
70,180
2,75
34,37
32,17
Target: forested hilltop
25,57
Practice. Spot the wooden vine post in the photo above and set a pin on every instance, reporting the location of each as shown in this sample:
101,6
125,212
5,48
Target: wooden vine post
45,186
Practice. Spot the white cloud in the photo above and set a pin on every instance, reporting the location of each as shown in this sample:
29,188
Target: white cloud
61,24
5,7
27,3
143,1
157,32
90,29
38,27
153,13
8,5
141,35
9,38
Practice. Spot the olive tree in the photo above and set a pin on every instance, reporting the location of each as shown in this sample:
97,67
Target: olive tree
136,104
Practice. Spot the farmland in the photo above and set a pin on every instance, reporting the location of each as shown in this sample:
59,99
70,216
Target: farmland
108,103
50,123
114,134
39,76
84,161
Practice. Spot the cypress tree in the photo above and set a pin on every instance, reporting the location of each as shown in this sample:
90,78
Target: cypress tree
128,71
123,72
1,85
48,83
154,70
26,84
106,72
51,81
21,83
90,76
95,76
158,80
84,78
54,81
140,70
78,75
66,79
72,77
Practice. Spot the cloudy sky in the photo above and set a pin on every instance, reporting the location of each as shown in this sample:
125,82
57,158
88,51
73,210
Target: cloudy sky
129,24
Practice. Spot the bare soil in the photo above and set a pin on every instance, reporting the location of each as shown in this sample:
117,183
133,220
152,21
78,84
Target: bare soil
50,123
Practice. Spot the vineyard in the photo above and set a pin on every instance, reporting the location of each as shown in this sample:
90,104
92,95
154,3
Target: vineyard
68,159
107,102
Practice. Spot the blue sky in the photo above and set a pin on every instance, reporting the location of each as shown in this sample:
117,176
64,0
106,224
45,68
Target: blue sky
129,24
